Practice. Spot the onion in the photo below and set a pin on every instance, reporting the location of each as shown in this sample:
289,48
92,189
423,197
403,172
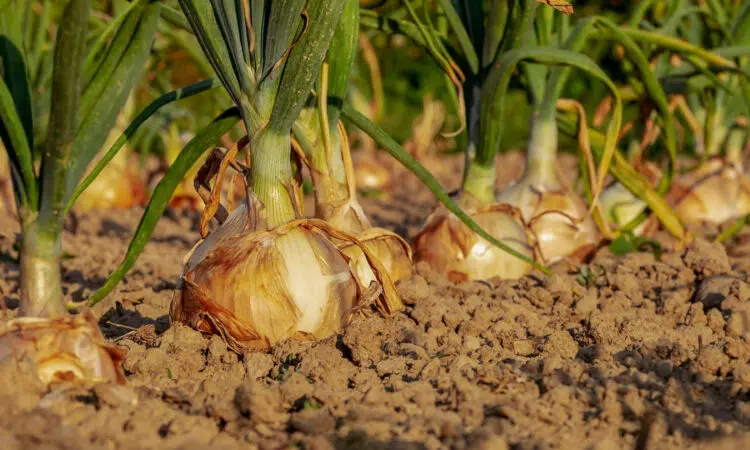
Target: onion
118,186
452,249
715,192
336,202
558,219
257,288
387,247
66,348
621,206
369,173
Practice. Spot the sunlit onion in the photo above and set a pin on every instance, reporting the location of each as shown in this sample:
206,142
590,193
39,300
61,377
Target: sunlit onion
67,348
715,192
452,249
258,288
557,219
119,186
370,174
620,206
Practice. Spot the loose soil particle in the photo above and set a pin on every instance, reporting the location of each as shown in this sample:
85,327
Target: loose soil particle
634,353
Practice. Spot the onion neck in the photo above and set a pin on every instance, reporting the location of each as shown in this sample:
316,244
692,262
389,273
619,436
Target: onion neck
41,280
735,144
328,174
272,177
717,133
541,156
479,183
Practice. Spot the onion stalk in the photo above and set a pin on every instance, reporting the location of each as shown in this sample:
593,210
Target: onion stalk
265,273
557,222
88,91
716,190
6,188
369,170
330,161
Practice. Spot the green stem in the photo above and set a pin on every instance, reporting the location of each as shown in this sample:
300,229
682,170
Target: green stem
541,156
735,145
328,174
66,94
408,161
271,174
479,182
623,172
672,43
41,288
716,132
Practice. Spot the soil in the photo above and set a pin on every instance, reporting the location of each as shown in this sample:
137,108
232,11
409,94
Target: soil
625,352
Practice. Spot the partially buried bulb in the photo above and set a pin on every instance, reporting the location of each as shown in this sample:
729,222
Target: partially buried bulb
256,286
715,192
62,349
452,249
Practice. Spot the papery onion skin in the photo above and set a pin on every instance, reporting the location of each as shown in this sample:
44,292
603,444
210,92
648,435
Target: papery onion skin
118,186
562,227
452,249
67,348
369,174
256,289
558,220
715,192
392,251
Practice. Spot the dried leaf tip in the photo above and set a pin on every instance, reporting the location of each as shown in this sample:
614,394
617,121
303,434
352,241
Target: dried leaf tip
560,5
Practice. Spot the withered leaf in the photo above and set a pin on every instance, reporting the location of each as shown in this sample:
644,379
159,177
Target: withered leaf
560,5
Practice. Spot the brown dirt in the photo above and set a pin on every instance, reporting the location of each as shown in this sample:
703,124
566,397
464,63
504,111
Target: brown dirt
632,352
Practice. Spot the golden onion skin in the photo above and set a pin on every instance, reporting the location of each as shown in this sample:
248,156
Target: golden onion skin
557,235
715,192
67,348
392,251
256,289
452,249
118,186
557,219
370,174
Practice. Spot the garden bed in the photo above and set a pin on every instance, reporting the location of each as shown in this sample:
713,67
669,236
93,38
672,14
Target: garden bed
628,352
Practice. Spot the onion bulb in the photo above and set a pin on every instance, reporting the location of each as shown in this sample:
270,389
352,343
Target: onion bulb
66,348
559,220
715,192
387,247
369,173
185,195
118,186
452,249
336,202
257,288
